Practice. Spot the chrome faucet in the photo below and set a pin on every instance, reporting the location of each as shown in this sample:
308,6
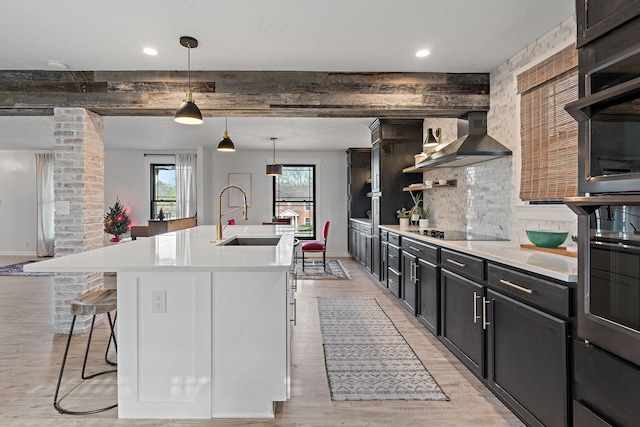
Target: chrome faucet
245,208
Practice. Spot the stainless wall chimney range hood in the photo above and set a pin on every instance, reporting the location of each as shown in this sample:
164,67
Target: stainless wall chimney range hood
472,146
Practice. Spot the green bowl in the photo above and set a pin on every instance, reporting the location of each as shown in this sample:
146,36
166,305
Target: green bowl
547,238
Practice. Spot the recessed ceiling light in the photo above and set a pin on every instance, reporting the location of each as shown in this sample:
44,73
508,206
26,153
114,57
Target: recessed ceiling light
422,53
57,65
150,51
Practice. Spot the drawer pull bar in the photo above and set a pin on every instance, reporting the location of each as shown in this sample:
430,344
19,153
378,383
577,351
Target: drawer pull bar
518,287
414,248
475,307
485,322
454,262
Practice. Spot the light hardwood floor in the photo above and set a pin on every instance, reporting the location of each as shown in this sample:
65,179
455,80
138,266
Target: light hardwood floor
30,356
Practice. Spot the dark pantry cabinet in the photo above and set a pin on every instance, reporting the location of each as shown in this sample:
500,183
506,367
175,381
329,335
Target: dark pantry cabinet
394,143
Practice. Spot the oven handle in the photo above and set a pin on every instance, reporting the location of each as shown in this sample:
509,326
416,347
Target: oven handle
617,245
577,108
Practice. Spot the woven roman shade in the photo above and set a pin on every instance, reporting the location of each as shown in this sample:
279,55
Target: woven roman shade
548,134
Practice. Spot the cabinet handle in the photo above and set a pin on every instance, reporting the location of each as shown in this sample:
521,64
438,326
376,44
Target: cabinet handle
518,287
412,270
475,307
391,256
454,262
415,272
484,313
295,312
414,248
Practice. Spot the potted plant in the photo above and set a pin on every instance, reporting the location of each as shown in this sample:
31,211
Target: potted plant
369,213
403,215
424,217
415,210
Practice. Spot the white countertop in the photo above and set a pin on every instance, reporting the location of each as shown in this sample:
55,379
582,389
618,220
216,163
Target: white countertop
191,249
559,267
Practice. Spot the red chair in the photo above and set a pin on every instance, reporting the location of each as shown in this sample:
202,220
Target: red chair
317,246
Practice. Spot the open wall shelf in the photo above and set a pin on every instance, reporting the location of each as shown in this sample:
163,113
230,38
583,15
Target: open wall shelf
419,187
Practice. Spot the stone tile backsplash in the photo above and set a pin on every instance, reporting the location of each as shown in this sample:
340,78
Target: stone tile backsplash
479,203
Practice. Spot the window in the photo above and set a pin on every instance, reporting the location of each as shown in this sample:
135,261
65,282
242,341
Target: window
163,190
549,135
294,196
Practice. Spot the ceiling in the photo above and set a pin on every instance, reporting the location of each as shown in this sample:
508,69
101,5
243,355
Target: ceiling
292,35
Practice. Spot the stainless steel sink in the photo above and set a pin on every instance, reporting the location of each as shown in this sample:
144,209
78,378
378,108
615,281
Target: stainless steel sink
251,241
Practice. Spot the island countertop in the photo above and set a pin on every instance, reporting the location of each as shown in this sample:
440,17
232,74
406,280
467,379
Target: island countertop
559,267
192,249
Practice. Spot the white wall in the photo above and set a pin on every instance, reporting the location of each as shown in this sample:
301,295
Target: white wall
331,187
126,178
18,205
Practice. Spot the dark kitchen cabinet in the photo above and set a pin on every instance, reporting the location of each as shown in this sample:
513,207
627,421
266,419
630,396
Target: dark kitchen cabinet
360,242
358,182
409,281
429,295
354,240
421,290
527,360
528,339
394,265
462,321
384,265
365,246
597,17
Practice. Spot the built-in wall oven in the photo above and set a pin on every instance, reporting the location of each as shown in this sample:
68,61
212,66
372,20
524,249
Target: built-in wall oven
608,313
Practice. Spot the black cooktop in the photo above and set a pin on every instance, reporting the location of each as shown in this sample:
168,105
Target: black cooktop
456,235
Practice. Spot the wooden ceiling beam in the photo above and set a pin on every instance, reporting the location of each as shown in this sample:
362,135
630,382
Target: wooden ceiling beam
247,93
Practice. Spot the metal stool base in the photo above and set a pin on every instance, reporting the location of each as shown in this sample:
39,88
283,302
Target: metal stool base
112,337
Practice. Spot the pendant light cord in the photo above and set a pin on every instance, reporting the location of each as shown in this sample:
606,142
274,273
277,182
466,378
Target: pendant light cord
189,66
274,150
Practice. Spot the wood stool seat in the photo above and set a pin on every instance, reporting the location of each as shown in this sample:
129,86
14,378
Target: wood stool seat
94,302
90,304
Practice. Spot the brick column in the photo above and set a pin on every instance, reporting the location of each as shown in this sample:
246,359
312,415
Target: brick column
79,199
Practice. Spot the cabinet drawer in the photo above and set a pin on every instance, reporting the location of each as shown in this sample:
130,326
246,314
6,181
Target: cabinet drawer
393,257
393,280
384,236
420,249
466,265
533,290
394,238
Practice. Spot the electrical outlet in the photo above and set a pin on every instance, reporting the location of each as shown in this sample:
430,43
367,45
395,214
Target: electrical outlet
158,301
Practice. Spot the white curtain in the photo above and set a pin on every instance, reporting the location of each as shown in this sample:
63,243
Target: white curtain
46,206
185,185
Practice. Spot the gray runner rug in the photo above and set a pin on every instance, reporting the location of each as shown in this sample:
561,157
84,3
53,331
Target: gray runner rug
367,358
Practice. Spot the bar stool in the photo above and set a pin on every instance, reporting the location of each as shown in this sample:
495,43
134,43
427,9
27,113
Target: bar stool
90,304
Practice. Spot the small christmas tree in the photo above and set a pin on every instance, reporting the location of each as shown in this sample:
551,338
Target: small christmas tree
117,221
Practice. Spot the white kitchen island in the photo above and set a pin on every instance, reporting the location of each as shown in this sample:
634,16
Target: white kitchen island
203,329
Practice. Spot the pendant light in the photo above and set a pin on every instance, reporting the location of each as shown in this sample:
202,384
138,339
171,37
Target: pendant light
225,143
188,113
274,169
431,140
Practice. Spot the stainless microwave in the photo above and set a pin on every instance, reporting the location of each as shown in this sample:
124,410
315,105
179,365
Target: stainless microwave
609,132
